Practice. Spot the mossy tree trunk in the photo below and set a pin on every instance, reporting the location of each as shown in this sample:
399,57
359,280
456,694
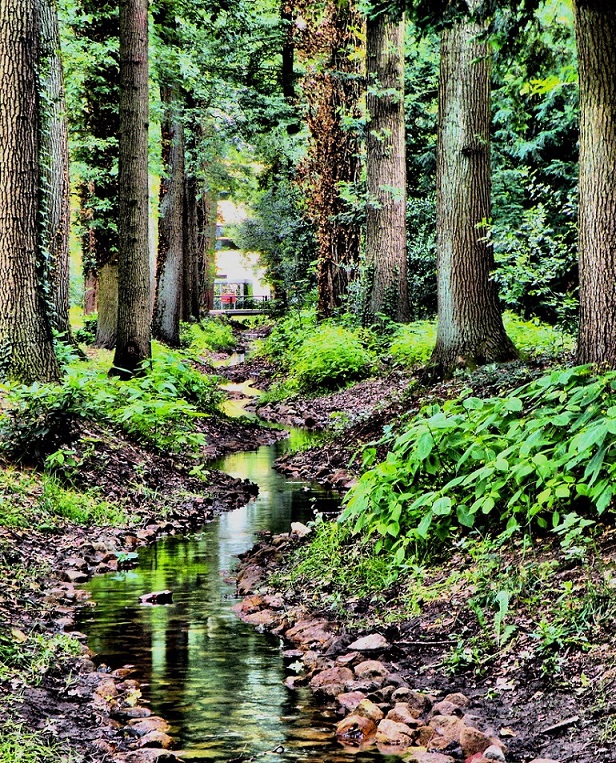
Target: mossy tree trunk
470,325
134,293
595,22
55,190
26,345
386,169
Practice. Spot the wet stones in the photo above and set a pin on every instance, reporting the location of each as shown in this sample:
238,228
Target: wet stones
331,682
373,643
157,598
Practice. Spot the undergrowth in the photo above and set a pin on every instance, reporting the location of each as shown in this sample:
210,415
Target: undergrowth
159,407
542,457
209,335
412,343
20,745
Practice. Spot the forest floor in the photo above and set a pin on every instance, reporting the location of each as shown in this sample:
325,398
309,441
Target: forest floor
541,680
524,631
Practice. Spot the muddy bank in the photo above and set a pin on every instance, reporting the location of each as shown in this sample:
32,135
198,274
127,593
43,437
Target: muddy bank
97,711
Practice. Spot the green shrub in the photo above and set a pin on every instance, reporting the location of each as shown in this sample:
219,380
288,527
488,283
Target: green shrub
543,456
210,335
534,338
87,333
287,335
412,343
159,407
330,357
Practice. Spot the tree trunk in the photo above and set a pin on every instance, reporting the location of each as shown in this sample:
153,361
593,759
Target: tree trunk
470,326
332,91
134,293
55,206
207,209
595,22
97,150
171,259
26,345
190,302
386,168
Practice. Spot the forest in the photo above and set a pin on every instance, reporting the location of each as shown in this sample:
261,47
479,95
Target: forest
307,381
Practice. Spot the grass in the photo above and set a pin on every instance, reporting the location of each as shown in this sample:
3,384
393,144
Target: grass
30,499
19,745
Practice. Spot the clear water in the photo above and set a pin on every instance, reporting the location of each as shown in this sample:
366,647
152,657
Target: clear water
216,680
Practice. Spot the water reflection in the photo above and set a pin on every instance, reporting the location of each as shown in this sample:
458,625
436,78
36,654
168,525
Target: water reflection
216,680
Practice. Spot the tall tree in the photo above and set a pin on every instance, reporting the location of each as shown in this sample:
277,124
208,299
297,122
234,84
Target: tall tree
55,190
95,122
26,345
386,170
596,31
331,89
470,326
134,292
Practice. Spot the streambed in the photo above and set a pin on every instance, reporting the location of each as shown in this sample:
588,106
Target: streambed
216,680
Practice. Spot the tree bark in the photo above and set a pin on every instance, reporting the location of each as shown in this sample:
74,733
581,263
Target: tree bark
595,22
134,293
55,206
470,326
207,208
386,168
168,305
97,149
190,302
26,344
332,90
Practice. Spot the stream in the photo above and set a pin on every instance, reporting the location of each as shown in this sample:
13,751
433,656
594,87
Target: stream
216,680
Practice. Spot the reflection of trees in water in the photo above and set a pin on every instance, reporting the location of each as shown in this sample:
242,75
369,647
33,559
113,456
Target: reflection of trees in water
212,676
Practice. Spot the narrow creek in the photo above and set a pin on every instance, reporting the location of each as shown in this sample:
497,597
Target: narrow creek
216,680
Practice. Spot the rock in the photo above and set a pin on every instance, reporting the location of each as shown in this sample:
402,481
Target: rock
107,689
156,739
131,713
371,643
75,576
76,562
355,730
300,530
424,735
544,760
421,756
403,713
447,708
349,700
370,670
151,755
415,700
310,633
331,682
248,579
266,618
144,726
458,699
347,659
394,734
448,729
494,752
157,597
248,605
367,709
473,741
274,601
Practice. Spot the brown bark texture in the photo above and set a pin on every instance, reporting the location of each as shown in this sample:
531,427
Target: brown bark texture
190,297
55,191
98,125
470,325
170,269
207,206
386,170
595,23
134,293
26,346
331,89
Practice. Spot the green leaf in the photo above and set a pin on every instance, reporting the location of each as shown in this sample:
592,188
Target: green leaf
442,506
